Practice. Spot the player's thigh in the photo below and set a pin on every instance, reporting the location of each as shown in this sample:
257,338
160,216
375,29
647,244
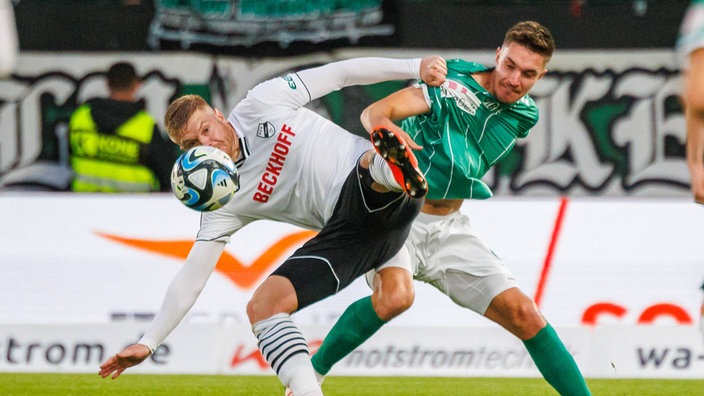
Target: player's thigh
457,262
400,262
275,295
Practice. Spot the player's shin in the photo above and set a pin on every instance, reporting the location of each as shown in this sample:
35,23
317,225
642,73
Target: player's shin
283,346
356,325
555,363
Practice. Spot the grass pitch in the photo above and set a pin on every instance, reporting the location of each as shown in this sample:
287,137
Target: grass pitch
12,384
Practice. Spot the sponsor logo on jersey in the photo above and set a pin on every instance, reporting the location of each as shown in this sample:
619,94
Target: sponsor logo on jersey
265,130
466,100
289,80
491,104
275,165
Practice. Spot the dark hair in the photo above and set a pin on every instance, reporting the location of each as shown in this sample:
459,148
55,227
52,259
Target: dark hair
122,76
533,36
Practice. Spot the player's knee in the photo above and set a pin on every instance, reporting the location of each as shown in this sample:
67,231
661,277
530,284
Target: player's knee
253,312
258,309
526,319
390,304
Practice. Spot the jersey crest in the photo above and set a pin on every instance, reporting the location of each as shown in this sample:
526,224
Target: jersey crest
265,130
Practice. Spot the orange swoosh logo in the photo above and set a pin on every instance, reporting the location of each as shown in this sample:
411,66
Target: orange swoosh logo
228,265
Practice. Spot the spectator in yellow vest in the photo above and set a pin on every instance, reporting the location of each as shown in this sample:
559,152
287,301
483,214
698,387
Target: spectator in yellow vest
116,146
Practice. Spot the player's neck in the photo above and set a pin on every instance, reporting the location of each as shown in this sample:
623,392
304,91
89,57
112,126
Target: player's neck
484,79
235,145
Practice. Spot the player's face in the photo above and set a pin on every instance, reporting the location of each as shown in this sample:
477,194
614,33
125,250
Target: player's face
517,70
208,127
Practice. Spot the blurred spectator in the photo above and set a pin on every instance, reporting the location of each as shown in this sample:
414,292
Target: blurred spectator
115,145
8,39
690,48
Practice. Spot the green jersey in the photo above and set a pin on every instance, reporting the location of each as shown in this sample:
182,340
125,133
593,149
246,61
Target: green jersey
465,133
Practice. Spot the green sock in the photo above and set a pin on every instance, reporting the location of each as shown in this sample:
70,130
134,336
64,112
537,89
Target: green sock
356,325
555,363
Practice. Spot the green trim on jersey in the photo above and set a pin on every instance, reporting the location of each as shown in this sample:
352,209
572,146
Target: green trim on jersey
465,133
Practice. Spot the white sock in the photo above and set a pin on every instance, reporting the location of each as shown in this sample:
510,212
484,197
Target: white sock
319,377
381,173
282,344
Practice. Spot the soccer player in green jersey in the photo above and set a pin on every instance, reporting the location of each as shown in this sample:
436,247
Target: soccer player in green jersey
461,129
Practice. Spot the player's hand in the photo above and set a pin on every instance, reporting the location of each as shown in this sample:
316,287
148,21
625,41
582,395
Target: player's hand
698,195
406,138
130,356
698,188
433,70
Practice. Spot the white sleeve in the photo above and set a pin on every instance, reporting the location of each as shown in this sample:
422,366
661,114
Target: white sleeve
8,39
295,90
183,291
322,80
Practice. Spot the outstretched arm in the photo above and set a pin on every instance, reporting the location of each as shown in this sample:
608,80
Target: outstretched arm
363,71
182,292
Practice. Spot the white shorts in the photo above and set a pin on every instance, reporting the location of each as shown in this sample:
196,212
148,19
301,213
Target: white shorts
447,254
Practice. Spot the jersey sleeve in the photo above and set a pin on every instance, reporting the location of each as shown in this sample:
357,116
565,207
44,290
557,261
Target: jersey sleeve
526,116
219,225
295,90
322,80
183,291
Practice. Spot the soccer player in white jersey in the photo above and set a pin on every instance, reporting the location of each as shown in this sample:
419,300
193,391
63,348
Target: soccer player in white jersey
298,167
461,130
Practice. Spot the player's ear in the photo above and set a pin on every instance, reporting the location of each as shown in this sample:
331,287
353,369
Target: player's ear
218,114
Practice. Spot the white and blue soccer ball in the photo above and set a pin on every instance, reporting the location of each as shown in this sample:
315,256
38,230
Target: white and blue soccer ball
204,178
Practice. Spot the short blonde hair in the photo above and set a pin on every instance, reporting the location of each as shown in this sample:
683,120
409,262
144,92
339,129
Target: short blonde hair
179,112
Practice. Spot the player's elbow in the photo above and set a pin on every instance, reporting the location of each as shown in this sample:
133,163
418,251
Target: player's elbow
365,118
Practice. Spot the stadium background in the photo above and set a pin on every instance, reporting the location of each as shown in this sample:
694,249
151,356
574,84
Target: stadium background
603,174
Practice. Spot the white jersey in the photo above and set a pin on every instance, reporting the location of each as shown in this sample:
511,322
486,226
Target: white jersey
294,161
302,160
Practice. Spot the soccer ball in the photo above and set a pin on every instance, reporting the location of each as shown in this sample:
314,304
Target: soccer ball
204,178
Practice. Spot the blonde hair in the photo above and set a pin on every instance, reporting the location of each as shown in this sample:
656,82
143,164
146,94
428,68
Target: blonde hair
533,36
179,112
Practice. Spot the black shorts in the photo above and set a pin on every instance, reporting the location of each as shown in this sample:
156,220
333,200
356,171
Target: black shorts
366,229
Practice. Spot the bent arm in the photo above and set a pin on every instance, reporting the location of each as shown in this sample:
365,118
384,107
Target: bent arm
183,291
397,106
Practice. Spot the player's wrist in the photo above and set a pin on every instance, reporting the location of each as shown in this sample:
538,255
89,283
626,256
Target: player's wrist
151,346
